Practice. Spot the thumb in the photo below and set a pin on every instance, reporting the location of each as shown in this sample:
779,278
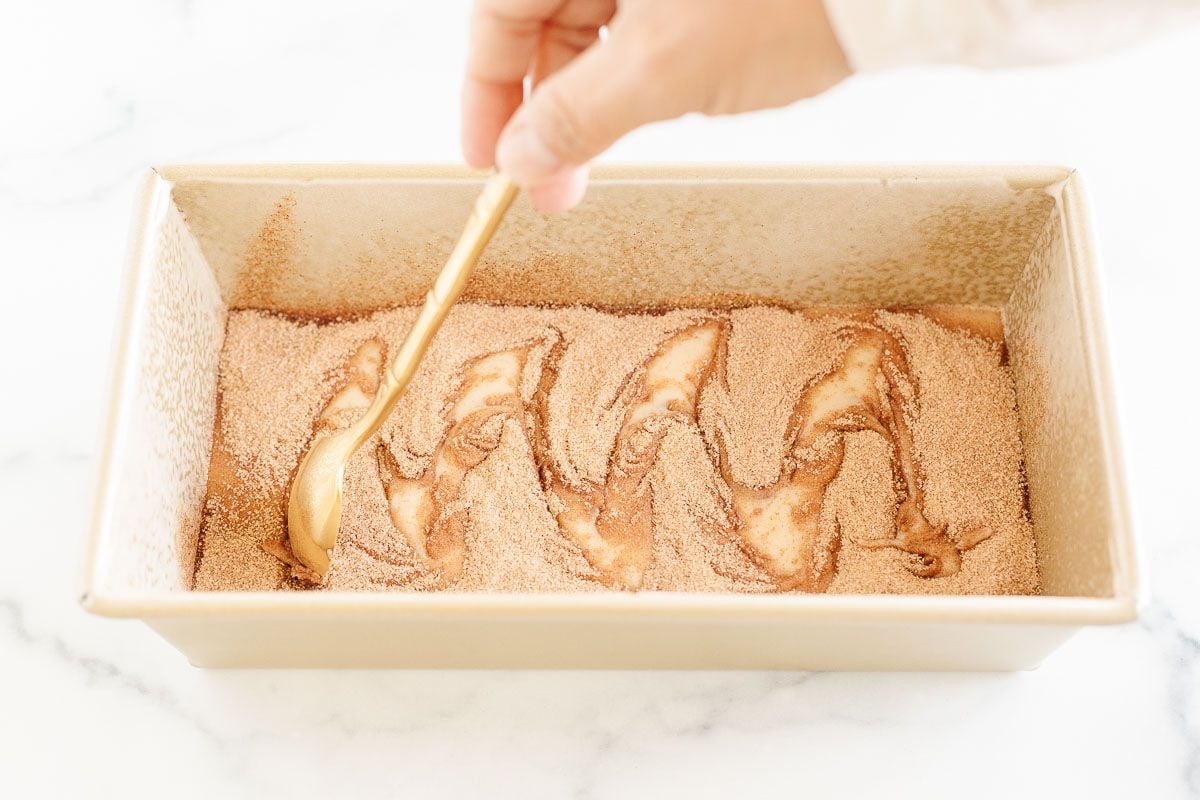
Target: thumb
576,114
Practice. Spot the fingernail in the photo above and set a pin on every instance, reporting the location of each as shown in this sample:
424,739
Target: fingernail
524,157
562,193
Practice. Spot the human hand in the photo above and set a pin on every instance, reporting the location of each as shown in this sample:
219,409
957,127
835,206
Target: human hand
661,59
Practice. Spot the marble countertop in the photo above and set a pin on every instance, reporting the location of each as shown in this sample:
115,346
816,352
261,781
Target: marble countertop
95,92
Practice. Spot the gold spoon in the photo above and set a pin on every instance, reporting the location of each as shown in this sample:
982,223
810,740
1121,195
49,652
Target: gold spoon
315,501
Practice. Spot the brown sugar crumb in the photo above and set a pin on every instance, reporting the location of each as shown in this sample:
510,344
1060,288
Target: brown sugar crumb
754,449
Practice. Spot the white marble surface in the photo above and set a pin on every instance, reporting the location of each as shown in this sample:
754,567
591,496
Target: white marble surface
92,93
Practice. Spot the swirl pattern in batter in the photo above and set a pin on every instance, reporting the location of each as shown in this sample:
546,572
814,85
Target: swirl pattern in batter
756,449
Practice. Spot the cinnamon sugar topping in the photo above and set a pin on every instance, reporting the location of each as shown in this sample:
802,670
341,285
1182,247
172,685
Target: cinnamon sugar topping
754,449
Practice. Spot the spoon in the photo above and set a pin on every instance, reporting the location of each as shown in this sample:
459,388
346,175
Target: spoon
315,500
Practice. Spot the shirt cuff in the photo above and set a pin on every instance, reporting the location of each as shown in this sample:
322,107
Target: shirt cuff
879,34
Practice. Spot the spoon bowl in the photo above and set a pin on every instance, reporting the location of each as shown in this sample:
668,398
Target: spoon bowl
315,502
314,511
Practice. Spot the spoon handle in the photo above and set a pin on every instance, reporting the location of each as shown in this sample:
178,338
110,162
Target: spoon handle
497,195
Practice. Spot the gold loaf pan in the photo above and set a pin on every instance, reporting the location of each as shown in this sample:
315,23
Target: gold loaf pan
339,239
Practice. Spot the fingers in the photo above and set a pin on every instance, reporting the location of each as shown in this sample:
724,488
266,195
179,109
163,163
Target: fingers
662,59
578,112
486,108
561,193
573,30
504,38
511,39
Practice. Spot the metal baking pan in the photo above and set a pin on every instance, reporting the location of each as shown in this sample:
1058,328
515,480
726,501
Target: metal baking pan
322,239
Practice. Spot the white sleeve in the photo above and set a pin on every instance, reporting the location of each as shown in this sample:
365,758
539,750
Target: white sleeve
877,34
